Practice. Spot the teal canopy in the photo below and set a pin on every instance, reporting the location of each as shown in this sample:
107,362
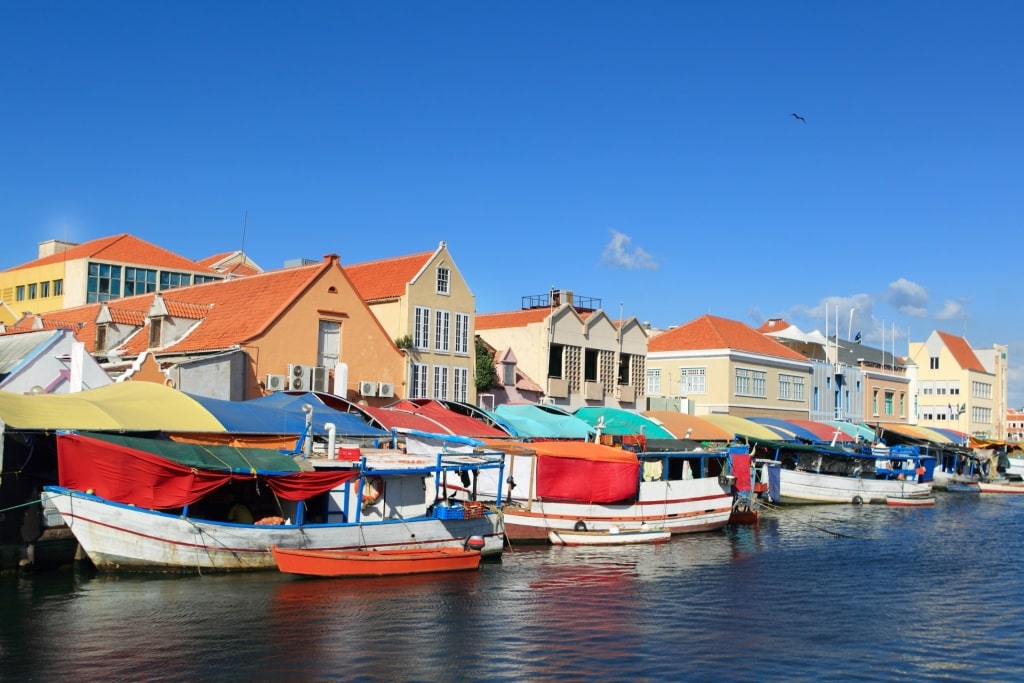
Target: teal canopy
619,422
536,421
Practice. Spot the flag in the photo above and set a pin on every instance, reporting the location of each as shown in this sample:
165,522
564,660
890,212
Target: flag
951,411
963,409
856,337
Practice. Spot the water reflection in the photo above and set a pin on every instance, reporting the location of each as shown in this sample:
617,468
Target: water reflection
813,593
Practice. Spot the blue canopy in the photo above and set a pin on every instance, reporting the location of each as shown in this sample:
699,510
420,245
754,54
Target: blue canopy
280,413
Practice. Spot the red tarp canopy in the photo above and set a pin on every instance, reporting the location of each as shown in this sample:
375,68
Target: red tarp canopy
127,475
587,472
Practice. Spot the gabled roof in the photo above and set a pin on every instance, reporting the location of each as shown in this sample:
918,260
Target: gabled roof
231,263
225,307
711,332
387,278
121,249
962,352
14,348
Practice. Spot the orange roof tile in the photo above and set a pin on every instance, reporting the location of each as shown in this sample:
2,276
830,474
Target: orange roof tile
241,267
387,278
711,332
773,325
224,306
122,249
495,321
962,352
185,309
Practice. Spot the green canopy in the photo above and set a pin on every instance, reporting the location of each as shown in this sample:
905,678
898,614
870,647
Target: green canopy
203,457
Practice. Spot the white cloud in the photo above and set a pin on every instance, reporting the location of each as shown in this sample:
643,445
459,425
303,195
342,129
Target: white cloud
951,310
617,254
909,298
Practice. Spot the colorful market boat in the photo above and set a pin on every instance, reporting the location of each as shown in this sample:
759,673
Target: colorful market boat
584,486
155,505
823,474
362,563
611,536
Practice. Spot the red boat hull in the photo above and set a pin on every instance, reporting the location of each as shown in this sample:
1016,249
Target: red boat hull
374,562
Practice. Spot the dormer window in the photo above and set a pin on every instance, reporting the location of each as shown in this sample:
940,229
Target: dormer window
101,337
444,280
508,374
155,330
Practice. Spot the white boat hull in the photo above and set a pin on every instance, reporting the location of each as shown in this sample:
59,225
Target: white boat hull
123,537
610,537
813,487
677,506
1001,487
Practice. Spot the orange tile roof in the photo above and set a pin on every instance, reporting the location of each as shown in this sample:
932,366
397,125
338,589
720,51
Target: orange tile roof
773,325
711,332
225,307
185,309
962,352
121,249
496,321
242,267
386,278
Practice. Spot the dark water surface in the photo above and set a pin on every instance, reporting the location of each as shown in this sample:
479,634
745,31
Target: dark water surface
818,593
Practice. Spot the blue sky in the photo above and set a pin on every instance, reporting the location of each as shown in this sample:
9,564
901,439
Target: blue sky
640,153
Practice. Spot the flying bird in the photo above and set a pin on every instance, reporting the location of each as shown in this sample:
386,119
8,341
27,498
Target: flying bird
798,118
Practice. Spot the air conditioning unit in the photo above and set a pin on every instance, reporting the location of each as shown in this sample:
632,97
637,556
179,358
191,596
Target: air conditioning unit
386,390
367,388
299,377
276,383
321,378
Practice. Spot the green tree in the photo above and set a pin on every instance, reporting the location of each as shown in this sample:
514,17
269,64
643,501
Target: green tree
486,374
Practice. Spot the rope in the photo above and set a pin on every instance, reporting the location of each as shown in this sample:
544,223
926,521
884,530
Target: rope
21,505
778,510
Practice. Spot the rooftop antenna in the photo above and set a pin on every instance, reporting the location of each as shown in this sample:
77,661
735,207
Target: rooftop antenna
245,221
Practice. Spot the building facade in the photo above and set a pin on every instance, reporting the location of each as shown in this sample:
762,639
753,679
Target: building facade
715,365
955,390
424,304
66,275
573,350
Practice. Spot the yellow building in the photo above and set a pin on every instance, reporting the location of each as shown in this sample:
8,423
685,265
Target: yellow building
424,304
66,275
955,388
719,366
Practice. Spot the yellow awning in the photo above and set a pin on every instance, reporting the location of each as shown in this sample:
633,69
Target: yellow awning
123,406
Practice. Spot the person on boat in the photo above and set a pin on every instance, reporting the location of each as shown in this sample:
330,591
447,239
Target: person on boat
239,513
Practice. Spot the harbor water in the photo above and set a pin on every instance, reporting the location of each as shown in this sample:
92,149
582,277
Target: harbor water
815,593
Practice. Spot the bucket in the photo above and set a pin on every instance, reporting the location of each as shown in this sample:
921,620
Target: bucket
348,451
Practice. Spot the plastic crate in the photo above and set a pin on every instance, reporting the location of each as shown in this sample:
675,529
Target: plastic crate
474,509
449,512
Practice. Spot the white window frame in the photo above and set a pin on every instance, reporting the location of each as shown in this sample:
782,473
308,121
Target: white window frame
441,376
421,328
442,341
692,380
460,384
418,380
444,280
461,342
653,381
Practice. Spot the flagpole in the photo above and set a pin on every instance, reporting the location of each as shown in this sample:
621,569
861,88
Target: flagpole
849,331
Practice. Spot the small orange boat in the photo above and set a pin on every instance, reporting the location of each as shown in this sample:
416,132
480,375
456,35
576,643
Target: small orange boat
353,563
